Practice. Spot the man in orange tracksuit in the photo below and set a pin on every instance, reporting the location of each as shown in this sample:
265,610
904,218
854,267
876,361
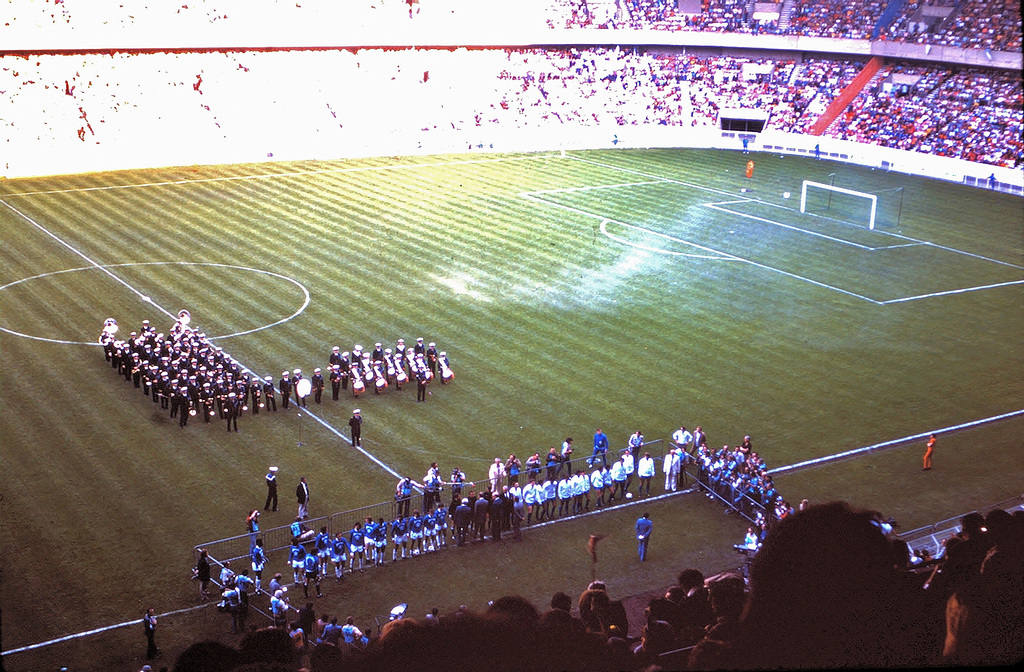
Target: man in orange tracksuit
929,449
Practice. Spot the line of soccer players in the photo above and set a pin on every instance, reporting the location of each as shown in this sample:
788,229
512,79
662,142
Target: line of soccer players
365,544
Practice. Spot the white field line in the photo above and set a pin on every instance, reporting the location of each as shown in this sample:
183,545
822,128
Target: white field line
592,188
136,622
133,623
953,291
276,175
715,206
326,425
623,241
92,263
723,256
912,241
148,300
886,444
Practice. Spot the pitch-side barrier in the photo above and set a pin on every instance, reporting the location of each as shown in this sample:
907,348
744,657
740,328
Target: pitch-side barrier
236,549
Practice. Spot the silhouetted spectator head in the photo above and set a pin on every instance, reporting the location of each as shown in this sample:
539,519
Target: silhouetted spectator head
207,657
900,554
593,601
561,601
971,525
660,609
728,593
657,638
821,593
690,578
269,645
675,594
513,609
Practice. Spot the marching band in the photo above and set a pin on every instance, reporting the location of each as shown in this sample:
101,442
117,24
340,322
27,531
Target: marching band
189,376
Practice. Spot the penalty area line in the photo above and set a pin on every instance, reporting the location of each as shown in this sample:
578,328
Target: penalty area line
106,628
893,442
953,291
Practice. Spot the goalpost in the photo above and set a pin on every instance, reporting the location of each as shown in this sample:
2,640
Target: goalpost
852,206
872,199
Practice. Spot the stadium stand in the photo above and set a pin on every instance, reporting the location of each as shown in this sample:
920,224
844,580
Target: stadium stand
831,587
117,99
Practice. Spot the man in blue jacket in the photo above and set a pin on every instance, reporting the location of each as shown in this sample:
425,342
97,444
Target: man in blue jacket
643,535
600,448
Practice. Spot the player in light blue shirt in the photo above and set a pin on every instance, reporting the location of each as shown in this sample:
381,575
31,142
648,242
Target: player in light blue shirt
322,544
311,566
356,541
339,553
258,557
400,533
416,532
297,557
380,541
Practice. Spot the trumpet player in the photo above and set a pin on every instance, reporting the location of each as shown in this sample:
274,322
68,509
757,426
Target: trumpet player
255,391
318,385
268,392
232,408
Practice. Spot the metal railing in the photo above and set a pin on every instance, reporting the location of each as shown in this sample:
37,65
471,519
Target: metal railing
237,548
933,537
727,495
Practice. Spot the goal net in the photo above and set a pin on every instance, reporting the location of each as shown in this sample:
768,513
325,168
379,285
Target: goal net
851,206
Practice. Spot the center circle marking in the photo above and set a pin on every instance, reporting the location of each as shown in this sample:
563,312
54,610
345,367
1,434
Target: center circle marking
305,293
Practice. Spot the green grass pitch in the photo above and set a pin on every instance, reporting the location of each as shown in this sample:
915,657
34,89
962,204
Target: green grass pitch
618,289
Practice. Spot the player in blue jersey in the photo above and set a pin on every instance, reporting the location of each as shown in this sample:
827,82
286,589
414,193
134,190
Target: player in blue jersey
322,544
400,534
297,557
380,542
245,584
311,568
429,531
356,540
339,554
258,557
441,522
416,532
369,548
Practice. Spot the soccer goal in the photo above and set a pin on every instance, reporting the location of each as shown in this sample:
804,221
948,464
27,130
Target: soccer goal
849,205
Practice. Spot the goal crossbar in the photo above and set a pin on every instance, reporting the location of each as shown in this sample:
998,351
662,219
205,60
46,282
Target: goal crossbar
849,192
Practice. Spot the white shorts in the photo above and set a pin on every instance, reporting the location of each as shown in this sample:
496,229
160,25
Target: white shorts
415,535
297,564
324,554
338,559
380,543
401,539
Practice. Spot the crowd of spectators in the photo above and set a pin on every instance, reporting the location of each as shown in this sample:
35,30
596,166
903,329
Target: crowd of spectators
966,113
970,23
851,19
740,479
118,99
830,588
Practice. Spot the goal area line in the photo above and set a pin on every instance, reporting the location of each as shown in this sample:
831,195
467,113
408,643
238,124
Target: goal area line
892,442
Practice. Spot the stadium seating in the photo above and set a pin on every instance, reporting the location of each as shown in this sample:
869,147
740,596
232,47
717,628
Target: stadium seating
123,100
830,588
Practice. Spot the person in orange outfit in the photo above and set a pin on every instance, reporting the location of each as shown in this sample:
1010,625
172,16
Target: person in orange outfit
750,168
929,449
